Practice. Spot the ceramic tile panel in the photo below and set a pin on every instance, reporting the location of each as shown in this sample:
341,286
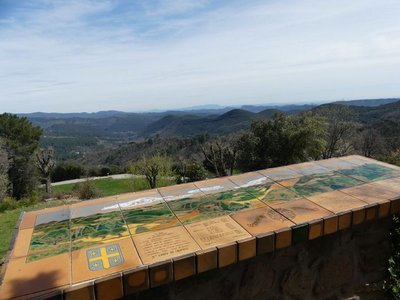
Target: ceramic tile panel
273,192
139,199
335,164
152,216
216,232
374,192
97,223
309,185
103,259
280,173
337,201
49,239
361,160
301,211
261,220
192,210
22,278
134,241
370,172
391,185
216,185
29,218
164,244
249,179
309,168
181,191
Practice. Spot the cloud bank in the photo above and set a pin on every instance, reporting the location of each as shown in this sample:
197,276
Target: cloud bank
84,55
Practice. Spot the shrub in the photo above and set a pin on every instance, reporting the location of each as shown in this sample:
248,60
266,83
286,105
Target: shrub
394,261
8,203
67,171
86,190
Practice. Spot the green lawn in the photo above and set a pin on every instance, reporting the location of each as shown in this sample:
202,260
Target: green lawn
110,187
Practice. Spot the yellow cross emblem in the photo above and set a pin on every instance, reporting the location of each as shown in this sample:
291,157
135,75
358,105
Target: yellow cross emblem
104,257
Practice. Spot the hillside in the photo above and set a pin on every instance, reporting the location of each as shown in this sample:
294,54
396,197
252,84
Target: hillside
73,135
189,125
368,102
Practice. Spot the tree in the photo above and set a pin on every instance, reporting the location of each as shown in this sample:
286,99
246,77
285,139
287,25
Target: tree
220,158
21,139
4,165
393,157
341,128
66,171
45,163
189,171
152,167
281,140
371,142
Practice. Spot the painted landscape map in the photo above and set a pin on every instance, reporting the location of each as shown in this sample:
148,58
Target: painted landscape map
84,227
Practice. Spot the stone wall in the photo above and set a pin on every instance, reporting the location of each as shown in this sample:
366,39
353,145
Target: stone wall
350,264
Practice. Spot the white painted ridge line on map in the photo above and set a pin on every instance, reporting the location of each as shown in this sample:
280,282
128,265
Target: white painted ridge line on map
253,182
212,188
134,203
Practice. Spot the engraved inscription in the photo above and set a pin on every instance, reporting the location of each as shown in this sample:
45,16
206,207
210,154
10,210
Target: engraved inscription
216,232
164,244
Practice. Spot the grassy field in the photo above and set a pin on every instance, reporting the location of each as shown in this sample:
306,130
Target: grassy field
109,186
105,187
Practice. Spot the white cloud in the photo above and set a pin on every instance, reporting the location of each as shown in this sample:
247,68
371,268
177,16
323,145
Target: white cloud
96,55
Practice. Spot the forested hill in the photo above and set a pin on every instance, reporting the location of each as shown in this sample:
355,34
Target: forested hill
232,121
73,135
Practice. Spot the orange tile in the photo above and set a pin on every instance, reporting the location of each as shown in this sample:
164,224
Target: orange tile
358,215
337,201
184,266
384,209
23,278
206,260
22,243
136,280
331,224
83,291
247,248
315,229
344,220
227,254
261,220
265,243
104,259
161,273
371,192
110,287
283,238
371,212
301,210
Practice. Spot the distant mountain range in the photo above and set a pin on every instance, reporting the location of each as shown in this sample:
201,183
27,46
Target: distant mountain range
72,132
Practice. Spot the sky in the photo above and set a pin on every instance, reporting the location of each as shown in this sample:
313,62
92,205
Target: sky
93,55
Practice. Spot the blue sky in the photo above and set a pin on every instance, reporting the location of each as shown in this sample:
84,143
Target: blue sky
83,55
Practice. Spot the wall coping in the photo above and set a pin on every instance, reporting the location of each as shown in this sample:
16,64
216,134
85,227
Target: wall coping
120,245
